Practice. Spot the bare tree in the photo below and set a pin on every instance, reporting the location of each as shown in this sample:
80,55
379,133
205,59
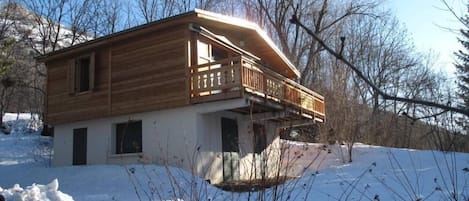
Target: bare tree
111,20
80,15
149,9
360,74
38,28
324,16
47,19
5,16
6,55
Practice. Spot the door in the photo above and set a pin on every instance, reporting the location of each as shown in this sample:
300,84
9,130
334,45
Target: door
230,148
260,144
79,146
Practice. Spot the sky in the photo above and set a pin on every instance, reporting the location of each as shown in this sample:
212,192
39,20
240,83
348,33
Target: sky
427,22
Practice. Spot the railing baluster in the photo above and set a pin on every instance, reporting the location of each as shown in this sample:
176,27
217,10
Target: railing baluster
227,75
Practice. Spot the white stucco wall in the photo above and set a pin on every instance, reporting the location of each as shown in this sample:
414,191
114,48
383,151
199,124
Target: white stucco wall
209,138
187,137
164,130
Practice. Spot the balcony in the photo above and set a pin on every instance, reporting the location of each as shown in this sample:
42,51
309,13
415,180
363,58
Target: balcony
240,77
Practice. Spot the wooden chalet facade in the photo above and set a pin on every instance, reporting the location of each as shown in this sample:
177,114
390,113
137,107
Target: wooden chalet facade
203,77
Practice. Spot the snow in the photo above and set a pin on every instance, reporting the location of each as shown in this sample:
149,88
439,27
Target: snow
23,145
35,192
385,173
377,173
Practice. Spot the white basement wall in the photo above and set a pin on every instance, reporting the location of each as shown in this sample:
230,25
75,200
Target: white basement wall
187,137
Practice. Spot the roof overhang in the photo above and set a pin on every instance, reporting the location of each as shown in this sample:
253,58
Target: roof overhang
291,72
205,32
205,18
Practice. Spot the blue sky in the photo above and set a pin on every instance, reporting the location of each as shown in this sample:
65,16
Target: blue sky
426,21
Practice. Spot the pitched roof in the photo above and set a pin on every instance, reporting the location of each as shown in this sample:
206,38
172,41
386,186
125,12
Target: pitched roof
206,19
238,22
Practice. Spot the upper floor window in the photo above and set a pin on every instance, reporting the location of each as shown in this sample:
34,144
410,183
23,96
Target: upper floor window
81,74
208,52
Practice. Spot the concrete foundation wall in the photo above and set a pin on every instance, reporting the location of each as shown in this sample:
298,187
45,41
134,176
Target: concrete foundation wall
187,137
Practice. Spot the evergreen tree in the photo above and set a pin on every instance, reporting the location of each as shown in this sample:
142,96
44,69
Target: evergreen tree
6,58
462,70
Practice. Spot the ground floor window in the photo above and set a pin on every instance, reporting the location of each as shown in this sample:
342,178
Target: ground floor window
129,137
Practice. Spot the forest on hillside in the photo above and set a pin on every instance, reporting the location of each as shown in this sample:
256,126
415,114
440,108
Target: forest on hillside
367,35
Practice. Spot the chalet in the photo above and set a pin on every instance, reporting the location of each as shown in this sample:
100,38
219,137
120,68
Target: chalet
201,91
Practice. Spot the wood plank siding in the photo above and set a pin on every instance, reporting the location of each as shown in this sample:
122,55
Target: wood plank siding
243,38
147,72
188,59
150,73
65,107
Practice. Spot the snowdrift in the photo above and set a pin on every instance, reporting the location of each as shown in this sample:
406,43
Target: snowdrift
35,192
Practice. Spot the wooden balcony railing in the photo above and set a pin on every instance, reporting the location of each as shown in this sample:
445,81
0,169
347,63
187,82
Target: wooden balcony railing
230,78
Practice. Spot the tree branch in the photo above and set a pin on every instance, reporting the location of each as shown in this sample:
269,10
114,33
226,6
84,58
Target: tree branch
384,95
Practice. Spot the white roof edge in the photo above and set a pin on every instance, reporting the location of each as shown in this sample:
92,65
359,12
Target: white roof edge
249,25
276,50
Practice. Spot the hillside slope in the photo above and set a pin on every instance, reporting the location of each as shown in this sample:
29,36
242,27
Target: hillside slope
377,173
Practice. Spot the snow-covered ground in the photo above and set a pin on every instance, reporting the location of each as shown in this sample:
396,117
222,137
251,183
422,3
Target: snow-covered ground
377,173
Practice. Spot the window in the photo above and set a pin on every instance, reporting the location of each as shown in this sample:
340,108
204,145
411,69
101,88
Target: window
204,52
129,137
208,52
219,53
260,138
81,74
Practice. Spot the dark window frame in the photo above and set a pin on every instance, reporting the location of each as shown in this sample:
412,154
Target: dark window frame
128,137
81,74
260,138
